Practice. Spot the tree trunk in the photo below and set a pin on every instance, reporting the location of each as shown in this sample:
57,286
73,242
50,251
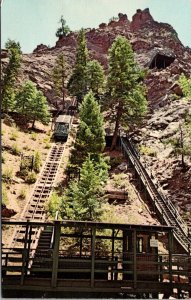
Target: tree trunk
117,123
33,123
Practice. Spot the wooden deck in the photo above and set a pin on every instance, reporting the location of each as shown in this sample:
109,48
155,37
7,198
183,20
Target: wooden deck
74,261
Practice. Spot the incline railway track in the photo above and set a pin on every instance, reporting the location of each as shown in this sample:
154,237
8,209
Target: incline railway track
35,207
165,208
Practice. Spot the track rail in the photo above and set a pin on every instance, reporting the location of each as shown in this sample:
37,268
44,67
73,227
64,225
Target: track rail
35,207
164,206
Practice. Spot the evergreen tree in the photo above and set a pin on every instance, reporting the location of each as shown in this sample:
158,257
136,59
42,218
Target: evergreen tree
185,84
39,110
59,76
25,97
95,77
82,200
77,84
10,74
91,135
127,95
31,103
182,141
63,30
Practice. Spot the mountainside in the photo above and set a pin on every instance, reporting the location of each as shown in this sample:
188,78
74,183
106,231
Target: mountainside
158,48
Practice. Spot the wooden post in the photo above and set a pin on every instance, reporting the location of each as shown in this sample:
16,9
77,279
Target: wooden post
24,254
93,256
55,253
112,251
135,258
81,244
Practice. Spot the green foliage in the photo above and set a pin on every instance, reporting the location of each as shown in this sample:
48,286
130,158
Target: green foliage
115,161
31,178
5,198
82,200
32,103
15,149
77,84
126,94
95,77
53,204
23,173
14,135
34,136
181,143
47,145
185,84
147,150
63,30
91,135
7,175
22,194
37,162
10,74
59,76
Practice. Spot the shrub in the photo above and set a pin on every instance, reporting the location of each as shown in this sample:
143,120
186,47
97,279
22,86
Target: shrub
23,173
16,150
34,136
53,204
31,178
47,146
37,162
115,161
14,135
23,194
26,148
7,175
46,139
5,199
147,151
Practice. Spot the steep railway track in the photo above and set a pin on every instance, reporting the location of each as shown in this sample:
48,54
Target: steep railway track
35,207
165,208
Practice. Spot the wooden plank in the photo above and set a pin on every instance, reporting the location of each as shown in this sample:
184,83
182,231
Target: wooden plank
93,256
134,257
55,253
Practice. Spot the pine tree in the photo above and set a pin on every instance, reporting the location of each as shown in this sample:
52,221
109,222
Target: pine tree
77,84
63,30
127,95
91,135
95,77
59,76
31,103
25,97
10,74
83,199
39,109
182,141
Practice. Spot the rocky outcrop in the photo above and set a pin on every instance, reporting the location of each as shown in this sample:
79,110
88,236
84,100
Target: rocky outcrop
140,19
